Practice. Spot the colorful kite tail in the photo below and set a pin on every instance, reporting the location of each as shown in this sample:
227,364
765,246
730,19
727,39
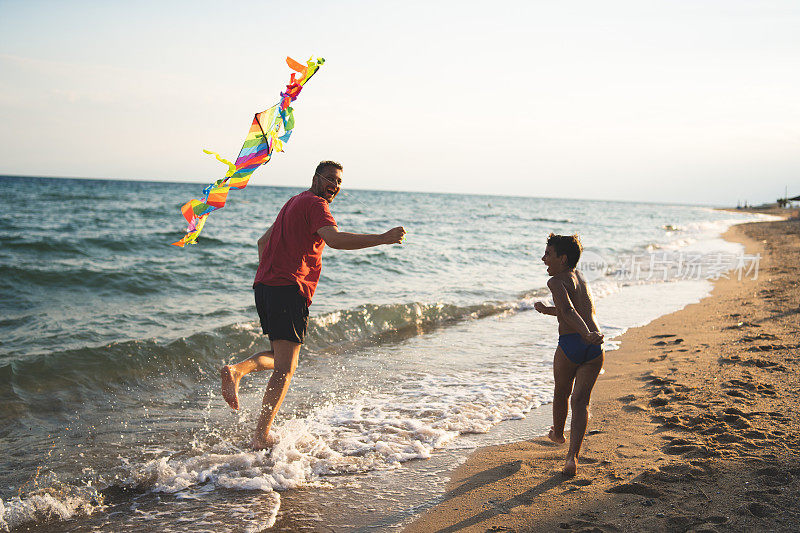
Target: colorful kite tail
269,131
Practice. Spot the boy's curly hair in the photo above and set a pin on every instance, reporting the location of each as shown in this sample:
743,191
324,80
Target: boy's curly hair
568,245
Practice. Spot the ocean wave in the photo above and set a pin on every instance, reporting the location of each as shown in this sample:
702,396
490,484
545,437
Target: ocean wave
137,280
120,364
368,321
48,246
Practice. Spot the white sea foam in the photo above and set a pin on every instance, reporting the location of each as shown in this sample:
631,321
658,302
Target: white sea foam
54,503
690,233
371,432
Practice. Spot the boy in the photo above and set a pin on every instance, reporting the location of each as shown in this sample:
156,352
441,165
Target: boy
579,356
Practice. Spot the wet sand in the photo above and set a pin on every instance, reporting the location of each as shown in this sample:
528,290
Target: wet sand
695,423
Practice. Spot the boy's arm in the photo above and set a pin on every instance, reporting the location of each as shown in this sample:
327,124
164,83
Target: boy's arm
567,311
545,309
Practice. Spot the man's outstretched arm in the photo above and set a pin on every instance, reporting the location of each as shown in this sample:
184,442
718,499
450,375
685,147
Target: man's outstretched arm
342,240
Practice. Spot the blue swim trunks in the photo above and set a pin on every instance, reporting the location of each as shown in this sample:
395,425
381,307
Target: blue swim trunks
576,350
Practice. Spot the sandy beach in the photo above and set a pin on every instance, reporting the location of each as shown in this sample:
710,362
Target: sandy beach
694,424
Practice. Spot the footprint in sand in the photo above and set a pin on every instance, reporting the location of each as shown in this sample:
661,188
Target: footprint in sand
760,336
716,429
668,343
635,407
776,476
739,384
659,401
757,509
766,348
637,488
728,438
681,449
738,394
777,414
737,421
658,380
738,412
673,473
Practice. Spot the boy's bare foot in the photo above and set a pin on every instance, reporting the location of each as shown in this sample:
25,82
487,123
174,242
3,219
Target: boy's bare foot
263,443
570,467
230,386
556,437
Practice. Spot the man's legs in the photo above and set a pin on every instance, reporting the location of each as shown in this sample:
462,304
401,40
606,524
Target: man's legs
563,374
585,378
285,355
232,374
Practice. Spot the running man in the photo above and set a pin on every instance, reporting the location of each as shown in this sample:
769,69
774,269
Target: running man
290,262
579,356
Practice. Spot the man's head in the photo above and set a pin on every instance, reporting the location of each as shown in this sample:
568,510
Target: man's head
562,252
327,180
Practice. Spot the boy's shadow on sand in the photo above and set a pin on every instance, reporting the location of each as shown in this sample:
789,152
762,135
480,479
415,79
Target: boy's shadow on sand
482,478
490,476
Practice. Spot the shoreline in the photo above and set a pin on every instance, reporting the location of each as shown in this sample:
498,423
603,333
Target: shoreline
693,427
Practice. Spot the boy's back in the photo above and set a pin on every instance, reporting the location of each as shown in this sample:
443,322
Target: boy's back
580,295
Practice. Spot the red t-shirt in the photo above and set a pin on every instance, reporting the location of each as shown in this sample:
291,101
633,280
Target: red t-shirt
294,252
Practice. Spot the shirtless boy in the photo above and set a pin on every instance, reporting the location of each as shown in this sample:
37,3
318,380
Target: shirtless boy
579,356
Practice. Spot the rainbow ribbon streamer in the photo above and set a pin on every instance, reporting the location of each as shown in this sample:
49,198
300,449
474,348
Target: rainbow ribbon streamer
268,133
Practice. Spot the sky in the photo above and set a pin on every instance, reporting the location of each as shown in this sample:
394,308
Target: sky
662,101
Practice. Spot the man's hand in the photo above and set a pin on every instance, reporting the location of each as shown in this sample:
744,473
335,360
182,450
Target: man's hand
594,337
539,306
394,235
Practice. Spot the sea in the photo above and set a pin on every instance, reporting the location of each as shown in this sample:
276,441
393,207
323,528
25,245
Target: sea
111,340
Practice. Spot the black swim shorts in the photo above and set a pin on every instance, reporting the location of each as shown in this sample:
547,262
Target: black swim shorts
283,312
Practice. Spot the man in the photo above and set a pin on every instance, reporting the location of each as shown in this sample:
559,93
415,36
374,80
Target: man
290,262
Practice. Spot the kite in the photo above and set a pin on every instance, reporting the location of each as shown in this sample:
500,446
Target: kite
269,131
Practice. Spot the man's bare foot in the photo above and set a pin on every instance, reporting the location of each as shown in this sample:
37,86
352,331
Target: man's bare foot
263,443
570,467
556,437
230,386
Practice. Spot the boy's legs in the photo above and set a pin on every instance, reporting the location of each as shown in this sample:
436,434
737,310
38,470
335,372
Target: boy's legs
232,374
563,374
585,378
